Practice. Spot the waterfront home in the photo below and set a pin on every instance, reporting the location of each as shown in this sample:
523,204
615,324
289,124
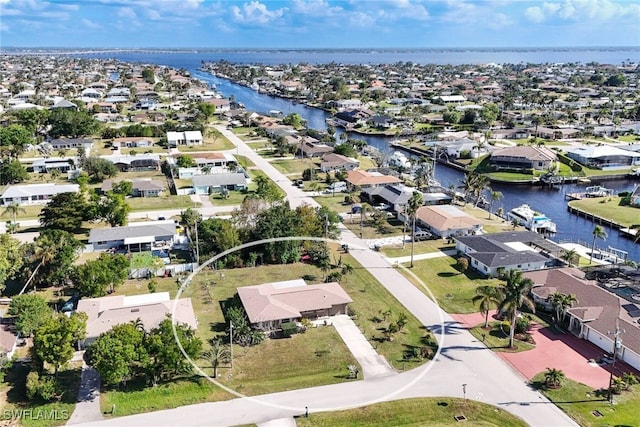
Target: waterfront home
523,157
595,315
193,137
446,221
311,150
458,147
332,161
135,237
363,179
135,163
150,309
142,187
604,157
497,253
214,183
35,194
345,104
271,304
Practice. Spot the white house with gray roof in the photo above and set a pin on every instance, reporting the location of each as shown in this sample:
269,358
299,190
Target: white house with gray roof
135,237
214,183
35,194
491,254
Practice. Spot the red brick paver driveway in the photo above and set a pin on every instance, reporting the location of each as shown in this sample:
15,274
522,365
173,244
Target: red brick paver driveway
560,351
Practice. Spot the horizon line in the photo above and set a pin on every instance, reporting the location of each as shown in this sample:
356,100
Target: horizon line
315,48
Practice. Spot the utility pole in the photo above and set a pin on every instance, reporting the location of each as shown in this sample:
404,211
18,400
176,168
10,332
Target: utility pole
617,343
231,341
197,245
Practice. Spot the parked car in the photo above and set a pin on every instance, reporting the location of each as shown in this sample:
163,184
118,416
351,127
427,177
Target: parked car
422,235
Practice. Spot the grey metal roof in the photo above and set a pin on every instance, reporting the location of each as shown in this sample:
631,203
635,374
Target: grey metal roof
218,179
154,229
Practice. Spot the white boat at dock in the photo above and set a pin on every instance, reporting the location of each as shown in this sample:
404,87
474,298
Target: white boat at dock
531,220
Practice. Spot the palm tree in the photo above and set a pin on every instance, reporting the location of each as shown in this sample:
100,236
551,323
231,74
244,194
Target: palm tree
561,303
346,270
598,233
364,209
515,293
219,353
495,196
553,378
487,297
569,255
412,208
14,209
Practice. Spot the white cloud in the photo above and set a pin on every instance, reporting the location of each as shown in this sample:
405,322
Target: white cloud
127,12
90,24
361,19
534,14
500,21
316,8
4,1
255,13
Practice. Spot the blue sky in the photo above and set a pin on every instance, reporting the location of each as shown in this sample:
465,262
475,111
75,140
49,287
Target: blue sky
319,23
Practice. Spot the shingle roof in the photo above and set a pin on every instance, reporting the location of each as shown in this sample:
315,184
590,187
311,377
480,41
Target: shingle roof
446,217
218,179
143,229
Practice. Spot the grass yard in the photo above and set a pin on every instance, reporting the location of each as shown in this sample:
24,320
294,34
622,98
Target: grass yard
210,144
234,198
369,231
580,402
425,247
140,259
14,398
334,202
29,212
609,208
366,163
453,290
497,339
291,166
161,203
415,412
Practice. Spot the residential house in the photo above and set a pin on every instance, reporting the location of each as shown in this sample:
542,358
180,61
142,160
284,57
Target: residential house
363,179
68,143
496,253
345,104
63,104
208,163
47,165
214,183
596,314
271,304
138,162
35,194
132,142
135,237
190,137
309,149
332,161
523,157
452,99
395,195
458,147
446,221
604,157
142,187
150,309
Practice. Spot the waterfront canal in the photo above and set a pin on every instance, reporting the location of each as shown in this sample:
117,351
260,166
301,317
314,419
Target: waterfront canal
548,201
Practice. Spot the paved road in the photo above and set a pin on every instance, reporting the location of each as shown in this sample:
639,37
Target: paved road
461,360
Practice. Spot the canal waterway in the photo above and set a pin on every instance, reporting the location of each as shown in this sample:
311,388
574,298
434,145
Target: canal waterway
549,201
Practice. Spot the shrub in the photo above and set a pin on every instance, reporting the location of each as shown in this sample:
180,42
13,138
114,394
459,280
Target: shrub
522,324
462,264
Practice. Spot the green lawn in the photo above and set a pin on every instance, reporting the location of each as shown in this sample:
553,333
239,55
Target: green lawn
424,247
14,397
415,412
609,208
452,289
140,259
210,144
496,337
30,212
160,203
290,166
333,202
580,402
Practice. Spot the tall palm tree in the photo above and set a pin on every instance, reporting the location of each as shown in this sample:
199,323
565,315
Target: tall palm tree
219,353
494,197
487,297
412,208
598,233
515,294
13,209
569,255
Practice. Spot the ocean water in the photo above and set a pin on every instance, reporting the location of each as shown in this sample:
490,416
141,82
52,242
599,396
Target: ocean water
189,59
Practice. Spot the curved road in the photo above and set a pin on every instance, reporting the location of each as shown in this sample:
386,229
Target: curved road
462,360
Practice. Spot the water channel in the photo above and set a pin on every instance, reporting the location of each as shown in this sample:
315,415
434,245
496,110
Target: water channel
549,201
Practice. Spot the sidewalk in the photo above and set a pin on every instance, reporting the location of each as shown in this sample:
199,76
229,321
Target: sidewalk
373,365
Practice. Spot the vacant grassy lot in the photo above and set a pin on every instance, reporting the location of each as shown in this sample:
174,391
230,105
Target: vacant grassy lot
424,247
609,208
290,166
161,203
453,290
580,402
335,202
415,412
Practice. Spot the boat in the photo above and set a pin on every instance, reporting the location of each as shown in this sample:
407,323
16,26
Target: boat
531,220
255,86
598,191
399,160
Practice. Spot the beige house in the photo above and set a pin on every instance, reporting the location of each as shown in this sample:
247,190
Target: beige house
447,220
106,312
523,157
596,314
364,179
271,304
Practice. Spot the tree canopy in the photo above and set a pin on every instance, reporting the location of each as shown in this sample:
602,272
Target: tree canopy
65,211
14,140
99,169
72,124
54,341
11,258
98,277
31,311
12,172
